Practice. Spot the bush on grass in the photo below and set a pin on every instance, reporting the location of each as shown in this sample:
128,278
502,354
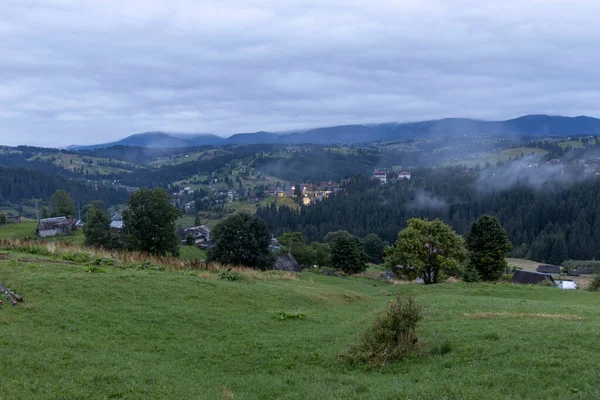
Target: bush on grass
391,338
595,285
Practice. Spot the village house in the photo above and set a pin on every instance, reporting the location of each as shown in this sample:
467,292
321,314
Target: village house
404,175
231,195
117,226
200,233
381,175
188,206
13,219
58,226
275,245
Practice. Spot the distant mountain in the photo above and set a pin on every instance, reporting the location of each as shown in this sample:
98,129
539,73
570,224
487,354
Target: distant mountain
529,125
158,140
254,138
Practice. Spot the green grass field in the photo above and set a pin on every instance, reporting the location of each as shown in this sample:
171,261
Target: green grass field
571,143
26,230
131,333
18,231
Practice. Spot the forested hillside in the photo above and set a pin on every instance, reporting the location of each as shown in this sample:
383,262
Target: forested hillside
549,221
19,184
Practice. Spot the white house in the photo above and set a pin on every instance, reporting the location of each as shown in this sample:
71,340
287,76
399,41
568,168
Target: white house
381,175
404,175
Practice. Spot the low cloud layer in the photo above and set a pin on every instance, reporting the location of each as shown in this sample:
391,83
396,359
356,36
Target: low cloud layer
94,71
526,172
426,201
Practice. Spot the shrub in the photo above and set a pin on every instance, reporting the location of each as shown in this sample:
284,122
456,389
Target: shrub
595,285
546,283
470,275
229,275
392,337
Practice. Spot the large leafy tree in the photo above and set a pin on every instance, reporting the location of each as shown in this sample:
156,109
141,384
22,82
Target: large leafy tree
374,247
427,249
320,253
488,244
2,219
347,254
291,240
149,221
97,229
62,204
332,236
241,239
295,244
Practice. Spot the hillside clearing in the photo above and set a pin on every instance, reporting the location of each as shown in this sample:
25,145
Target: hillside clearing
132,333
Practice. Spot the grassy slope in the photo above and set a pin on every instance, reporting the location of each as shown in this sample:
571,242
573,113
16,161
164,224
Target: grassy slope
235,208
149,334
74,161
190,253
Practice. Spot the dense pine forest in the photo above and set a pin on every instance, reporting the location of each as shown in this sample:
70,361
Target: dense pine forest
546,221
20,184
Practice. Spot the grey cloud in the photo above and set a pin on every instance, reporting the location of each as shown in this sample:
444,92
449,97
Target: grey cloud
77,72
424,200
526,172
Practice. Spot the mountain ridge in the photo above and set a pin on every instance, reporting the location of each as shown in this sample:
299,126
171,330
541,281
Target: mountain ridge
534,125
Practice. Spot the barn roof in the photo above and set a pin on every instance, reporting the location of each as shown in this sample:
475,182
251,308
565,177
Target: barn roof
551,269
117,225
586,271
530,278
52,223
286,262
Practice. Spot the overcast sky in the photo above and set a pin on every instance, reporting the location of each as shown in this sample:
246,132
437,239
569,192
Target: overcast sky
93,71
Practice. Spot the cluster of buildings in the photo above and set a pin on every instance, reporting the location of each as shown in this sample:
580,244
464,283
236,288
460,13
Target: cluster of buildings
309,192
184,190
382,175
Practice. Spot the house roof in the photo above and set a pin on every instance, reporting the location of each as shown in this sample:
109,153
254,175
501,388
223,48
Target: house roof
551,269
531,278
52,223
286,262
116,217
586,271
117,225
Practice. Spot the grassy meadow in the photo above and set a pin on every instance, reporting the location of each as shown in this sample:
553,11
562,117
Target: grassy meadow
27,229
126,332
